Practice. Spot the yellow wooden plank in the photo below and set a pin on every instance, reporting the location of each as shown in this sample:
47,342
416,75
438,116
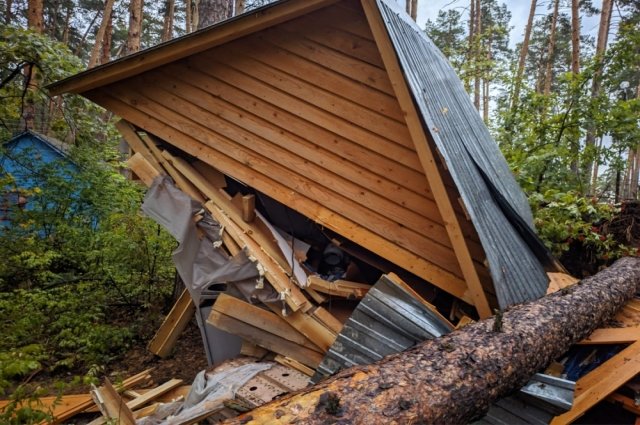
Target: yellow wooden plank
236,168
114,406
286,361
130,135
602,381
558,281
260,318
425,153
340,288
142,168
178,318
613,336
265,339
185,46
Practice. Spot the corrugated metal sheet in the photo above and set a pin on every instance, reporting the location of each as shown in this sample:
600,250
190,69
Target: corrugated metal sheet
536,403
474,160
387,320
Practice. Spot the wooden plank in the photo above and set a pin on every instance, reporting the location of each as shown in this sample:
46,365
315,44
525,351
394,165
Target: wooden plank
396,223
128,383
558,281
424,149
362,72
248,208
357,179
221,210
184,46
613,336
262,319
309,326
340,288
602,381
626,402
238,169
112,405
332,35
130,135
627,316
319,97
145,399
294,364
250,349
327,319
265,339
176,321
142,168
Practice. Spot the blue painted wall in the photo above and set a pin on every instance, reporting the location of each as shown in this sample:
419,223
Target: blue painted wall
19,157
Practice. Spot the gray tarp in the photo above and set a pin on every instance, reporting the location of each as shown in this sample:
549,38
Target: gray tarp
199,259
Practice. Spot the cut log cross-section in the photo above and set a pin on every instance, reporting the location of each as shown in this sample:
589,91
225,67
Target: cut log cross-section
455,378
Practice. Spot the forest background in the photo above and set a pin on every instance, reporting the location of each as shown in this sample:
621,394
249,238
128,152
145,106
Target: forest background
84,276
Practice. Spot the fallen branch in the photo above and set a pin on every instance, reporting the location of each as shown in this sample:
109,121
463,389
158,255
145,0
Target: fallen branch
455,378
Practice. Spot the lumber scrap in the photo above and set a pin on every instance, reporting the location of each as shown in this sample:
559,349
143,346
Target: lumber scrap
128,132
142,168
131,382
265,339
260,318
178,318
455,378
339,288
294,364
144,399
112,405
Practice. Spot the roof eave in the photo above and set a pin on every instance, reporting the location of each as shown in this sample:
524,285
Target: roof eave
187,45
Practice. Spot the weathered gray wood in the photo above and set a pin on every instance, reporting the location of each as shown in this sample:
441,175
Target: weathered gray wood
455,378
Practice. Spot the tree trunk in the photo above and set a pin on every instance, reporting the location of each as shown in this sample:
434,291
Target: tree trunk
135,26
240,5
601,47
188,16
407,6
107,42
454,379
548,78
524,51
97,46
213,11
575,36
35,16
35,21
167,24
414,10
472,24
67,21
8,14
477,53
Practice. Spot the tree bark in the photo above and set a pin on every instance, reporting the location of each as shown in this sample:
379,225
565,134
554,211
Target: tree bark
135,26
601,47
575,36
35,21
454,379
35,16
524,51
167,23
67,21
240,5
213,11
107,42
548,78
188,16
102,29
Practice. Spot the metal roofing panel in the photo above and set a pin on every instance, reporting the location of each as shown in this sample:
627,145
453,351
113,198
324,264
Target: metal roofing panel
474,160
387,320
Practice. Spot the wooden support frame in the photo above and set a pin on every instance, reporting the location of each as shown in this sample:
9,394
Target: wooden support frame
424,148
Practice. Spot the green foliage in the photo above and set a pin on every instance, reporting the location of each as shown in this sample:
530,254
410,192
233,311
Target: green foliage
564,218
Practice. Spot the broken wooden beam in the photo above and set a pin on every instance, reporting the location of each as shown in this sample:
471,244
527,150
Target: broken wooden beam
178,318
455,378
339,288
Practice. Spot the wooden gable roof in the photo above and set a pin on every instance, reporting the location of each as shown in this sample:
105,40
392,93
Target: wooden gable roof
306,101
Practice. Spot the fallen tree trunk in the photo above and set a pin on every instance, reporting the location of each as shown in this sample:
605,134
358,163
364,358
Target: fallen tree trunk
455,378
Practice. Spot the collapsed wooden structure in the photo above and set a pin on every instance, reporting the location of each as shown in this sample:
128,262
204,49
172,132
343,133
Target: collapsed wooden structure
341,111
